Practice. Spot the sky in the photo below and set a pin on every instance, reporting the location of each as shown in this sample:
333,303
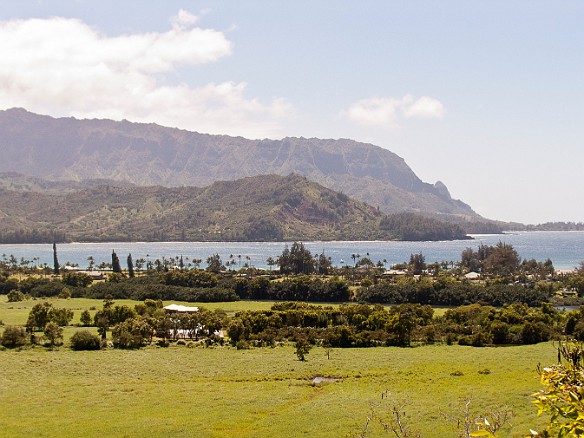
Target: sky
485,96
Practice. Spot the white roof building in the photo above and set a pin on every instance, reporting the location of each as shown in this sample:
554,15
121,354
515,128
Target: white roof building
181,308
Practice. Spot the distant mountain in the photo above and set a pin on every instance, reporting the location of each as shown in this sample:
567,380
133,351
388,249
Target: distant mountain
261,208
19,182
61,149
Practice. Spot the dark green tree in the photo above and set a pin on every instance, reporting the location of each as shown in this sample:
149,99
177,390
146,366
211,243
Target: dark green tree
56,267
302,348
85,318
13,337
417,263
53,334
116,268
61,317
502,260
324,264
39,316
214,264
85,340
131,266
296,260
76,279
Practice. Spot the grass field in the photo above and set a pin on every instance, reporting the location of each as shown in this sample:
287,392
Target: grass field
17,313
215,392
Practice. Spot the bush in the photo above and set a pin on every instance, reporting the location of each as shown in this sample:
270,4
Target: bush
85,340
65,293
13,337
532,333
76,279
53,334
302,348
61,317
85,318
15,296
465,340
242,345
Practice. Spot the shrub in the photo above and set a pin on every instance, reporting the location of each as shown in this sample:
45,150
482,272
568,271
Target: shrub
61,317
65,293
15,296
532,333
242,345
302,348
132,333
562,396
500,332
480,339
53,334
76,279
85,340
7,284
464,340
85,318
13,337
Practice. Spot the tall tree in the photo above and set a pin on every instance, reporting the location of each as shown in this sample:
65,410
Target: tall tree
503,259
296,260
116,263
130,266
417,263
214,264
55,260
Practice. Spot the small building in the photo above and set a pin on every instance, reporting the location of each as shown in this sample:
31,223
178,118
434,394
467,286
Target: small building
95,275
179,308
472,276
394,272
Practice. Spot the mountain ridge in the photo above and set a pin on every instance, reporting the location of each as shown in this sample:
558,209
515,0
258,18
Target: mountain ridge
149,154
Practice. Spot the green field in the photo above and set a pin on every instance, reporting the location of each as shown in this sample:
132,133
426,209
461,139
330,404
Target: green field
180,391
17,313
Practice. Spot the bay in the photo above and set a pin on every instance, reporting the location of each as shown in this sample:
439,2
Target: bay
564,248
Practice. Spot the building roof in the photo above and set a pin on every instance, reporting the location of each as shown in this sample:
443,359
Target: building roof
180,308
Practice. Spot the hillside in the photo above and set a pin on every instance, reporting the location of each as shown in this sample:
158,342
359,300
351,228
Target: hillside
271,208
61,149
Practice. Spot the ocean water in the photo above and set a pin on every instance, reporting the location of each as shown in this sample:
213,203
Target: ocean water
564,248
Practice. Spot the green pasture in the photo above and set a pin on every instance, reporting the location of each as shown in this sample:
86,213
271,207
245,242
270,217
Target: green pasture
17,313
262,392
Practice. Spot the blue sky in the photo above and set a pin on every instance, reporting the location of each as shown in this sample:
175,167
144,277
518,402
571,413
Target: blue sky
485,96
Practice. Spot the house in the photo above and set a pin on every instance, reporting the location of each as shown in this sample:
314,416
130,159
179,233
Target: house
179,308
394,272
472,276
96,275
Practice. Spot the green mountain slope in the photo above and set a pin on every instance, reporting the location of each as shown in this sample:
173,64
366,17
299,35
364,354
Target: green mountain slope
268,207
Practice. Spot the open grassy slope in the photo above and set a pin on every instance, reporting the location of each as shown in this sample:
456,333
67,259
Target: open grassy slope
179,391
265,392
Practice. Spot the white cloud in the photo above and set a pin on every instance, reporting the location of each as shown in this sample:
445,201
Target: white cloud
62,66
424,107
374,112
184,19
386,112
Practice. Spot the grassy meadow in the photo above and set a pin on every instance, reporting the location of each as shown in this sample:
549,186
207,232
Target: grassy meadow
262,392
